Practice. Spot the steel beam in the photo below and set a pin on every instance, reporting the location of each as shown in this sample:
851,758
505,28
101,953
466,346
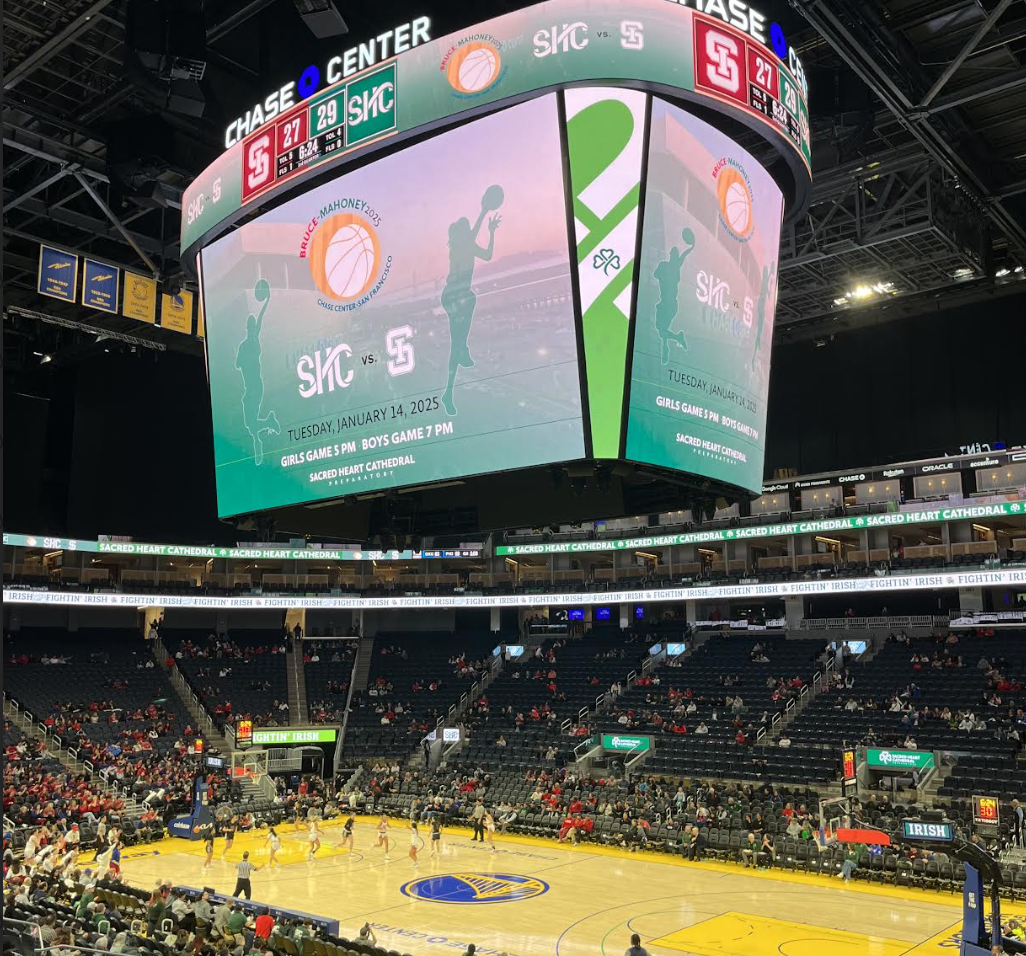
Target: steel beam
38,188
109,213
952,68
1002,83
54,45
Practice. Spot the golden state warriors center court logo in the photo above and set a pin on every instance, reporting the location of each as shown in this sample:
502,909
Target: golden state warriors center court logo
475,888
343,250
734,192
474,64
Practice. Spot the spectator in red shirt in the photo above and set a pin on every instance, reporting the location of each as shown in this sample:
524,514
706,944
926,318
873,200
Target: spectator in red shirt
264,924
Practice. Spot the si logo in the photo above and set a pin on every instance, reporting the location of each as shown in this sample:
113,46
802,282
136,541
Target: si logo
463,888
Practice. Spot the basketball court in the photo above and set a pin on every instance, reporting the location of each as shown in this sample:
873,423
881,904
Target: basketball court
533,897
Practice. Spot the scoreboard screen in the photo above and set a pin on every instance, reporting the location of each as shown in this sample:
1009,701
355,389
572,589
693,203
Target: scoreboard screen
529,243
405,323
736,64
706,295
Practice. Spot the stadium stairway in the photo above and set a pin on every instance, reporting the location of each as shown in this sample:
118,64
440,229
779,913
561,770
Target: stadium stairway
298,709
189,699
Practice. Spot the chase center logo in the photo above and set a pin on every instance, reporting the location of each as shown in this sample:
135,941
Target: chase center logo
465,888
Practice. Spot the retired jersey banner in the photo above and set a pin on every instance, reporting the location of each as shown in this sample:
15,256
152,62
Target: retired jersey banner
100,284
140,301
58,274
176,312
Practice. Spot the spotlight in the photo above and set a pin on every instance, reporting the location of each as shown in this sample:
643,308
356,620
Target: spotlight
46,358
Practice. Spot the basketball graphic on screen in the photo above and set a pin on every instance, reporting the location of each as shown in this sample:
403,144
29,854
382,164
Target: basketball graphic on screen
735,201
344,256
474,67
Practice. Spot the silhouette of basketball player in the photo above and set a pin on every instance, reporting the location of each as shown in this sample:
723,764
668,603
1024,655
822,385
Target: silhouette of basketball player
458,298
667,274
767,275
247,361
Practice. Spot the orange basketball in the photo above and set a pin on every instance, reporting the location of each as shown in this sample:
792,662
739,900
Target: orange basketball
344,256
474,67
735,201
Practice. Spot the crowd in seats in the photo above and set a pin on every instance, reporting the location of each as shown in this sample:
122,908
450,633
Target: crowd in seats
414,679
39,789
706,713
102,695
535,712
328,670
961,694
238,675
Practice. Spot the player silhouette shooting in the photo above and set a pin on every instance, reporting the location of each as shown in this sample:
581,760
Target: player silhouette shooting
667,275
458,298
247,361
767,276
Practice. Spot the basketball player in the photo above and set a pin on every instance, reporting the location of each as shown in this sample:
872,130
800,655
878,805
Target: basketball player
767,274
436,835
229,836
458,298
667,275
314,839
247,361
415,843
383,836
347,834
489,829
274,842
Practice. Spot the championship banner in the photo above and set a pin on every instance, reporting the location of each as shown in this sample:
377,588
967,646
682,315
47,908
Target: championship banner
57,277
140,301
100,286
176,311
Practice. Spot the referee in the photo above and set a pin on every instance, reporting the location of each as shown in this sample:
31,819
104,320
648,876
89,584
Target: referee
245,870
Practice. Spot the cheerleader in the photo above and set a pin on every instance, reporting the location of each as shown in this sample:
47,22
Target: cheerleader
208,848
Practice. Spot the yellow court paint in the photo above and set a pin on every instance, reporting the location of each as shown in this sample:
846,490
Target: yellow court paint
742,934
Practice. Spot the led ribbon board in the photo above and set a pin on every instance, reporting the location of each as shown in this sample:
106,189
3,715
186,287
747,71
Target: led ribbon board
874,585
717,57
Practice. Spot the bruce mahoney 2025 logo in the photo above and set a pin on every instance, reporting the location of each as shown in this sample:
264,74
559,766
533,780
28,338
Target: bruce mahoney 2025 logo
343,250
474,64
734,193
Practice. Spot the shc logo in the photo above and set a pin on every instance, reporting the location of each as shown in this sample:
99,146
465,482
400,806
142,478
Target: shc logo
474,66
734,192
324,369
344,256
475,888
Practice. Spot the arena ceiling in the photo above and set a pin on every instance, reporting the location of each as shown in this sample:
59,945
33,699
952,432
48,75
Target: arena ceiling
919,153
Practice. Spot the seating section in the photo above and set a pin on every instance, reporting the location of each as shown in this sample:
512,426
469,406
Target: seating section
239,674
927,689
690,708
328,670
538,705
415,677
